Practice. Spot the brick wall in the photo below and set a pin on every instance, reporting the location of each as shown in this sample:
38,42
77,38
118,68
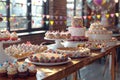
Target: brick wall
57,8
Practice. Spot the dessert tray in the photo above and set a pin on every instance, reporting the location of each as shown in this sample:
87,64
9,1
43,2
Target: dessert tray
75,52
48,64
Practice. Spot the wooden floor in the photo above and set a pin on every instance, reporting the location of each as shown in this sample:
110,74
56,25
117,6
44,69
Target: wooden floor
95,72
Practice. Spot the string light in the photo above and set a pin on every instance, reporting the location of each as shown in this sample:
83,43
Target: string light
45,1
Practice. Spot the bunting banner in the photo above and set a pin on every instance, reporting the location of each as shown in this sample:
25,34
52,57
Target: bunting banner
62,19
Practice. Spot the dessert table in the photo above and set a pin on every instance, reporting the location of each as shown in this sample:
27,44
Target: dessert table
61,71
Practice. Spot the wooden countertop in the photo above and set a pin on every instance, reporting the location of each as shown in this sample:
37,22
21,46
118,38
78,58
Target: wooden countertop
61,71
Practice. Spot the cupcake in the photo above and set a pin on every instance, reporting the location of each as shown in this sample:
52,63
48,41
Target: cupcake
3,71
22,71
14,36
12,71
5,36
32,70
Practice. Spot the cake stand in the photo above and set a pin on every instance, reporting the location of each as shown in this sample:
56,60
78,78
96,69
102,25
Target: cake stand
3,56
56,45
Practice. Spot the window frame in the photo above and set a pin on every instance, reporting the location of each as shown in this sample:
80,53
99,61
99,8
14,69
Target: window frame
28,16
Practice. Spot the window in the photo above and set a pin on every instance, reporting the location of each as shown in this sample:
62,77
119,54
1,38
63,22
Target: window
3,13
37,11
18,11
74,8
22,15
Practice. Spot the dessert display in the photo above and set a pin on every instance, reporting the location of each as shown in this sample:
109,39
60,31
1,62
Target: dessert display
75,52
57,35
23,50
77,30
48,57
6,35
97,33
14,70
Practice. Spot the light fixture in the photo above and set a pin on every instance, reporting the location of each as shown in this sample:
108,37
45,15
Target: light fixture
1,19
116,1
45,1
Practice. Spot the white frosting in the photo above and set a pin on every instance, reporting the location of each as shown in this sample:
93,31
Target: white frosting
14,35
22,68
2,69
11,70
77,31
32,68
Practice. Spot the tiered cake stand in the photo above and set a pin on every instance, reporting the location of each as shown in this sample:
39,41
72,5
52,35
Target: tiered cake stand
3,56
56,45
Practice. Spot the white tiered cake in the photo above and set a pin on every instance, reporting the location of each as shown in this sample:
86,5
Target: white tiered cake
77,30
97,33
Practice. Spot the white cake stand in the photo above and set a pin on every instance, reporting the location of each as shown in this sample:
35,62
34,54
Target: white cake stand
56,45
3,56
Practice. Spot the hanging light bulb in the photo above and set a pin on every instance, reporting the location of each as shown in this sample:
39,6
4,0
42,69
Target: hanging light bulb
45,1
116,1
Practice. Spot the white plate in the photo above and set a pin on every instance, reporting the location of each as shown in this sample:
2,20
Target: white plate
48,64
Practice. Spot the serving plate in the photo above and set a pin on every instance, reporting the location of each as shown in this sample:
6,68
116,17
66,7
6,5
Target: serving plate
48,64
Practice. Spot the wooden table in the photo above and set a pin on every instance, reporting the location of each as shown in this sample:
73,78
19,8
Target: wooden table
61,71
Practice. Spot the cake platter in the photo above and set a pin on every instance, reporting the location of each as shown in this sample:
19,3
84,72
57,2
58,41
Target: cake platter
48,64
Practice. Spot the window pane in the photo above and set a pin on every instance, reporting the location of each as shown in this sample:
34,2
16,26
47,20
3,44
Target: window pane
36,22
18,11
3,8
37,9
3,24
78,7
18,23
18,7
70,11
